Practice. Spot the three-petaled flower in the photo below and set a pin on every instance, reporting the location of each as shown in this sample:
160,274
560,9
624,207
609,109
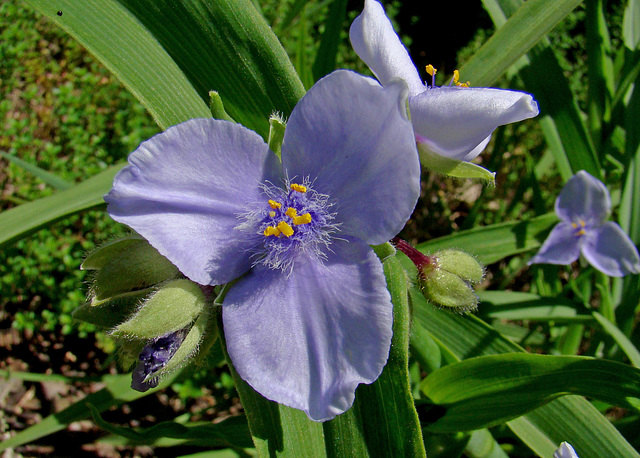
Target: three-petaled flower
583,205
455,122
312,317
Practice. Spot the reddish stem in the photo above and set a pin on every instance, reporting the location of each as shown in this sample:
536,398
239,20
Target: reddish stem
420,260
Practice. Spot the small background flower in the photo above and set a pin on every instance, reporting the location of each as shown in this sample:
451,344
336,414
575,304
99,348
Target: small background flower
583,206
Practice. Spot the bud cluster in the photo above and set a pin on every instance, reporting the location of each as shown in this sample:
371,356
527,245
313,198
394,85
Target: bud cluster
156,316
446,277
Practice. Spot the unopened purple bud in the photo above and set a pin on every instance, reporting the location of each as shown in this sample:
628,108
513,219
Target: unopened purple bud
154,357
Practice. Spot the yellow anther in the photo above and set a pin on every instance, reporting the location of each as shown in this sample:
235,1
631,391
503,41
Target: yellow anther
581,232
456,80
285,229
302,219
271,231
298,187
574,225
291,212
272,214
275,205
431,70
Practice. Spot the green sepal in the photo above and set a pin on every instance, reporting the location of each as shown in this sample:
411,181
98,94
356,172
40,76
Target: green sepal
97,259
198,341
384,251
277,126
217,107
125,266
461,264
174,306
453,167
448,290
109,313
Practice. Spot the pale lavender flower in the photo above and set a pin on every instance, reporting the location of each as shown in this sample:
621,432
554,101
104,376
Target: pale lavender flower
455,122
565,451
583,206
154,357
312,317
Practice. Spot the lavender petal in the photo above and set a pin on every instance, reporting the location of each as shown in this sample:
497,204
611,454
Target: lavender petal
562,246
184,190
364,156
308,339
611,251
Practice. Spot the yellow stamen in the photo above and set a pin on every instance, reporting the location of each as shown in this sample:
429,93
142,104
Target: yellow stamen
574,225
271,231
272,214
285,229
431,70
275,205
302,219
298,187
291,212
581,232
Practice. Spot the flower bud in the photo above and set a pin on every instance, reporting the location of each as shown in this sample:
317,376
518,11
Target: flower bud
448,280
125,271
446,277
175,305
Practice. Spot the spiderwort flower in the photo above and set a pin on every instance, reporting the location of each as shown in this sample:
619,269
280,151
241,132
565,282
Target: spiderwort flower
312,317
583,205
455,121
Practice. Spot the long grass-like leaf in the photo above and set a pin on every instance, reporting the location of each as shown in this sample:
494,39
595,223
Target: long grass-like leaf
20,221
45,176
132,53
515,38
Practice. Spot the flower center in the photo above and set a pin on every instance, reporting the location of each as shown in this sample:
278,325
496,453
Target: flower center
295,219
579,227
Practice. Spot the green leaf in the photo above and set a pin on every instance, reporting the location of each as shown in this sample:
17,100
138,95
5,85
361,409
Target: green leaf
627,346
562,122
383,418
325,61
510,305
232,432
599,70
116,392
489,390
20,221
132,54
515,38
569,418
631,24
225,46
492,243
47,177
